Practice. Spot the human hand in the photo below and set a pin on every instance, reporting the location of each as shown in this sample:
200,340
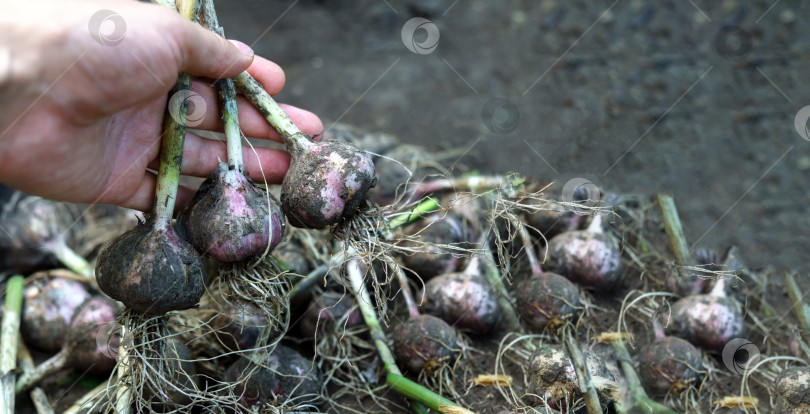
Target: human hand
82,120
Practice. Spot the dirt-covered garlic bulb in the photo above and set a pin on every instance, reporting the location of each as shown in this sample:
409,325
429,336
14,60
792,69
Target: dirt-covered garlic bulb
326,182
793,391
151,269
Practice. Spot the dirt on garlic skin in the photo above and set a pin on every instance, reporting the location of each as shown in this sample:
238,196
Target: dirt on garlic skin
793,390
425,343
465,301
706,321
326,183
231,218
670,365
47,311
151,270
552,373
548,300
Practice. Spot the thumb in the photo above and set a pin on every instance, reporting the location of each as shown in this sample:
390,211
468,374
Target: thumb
205,53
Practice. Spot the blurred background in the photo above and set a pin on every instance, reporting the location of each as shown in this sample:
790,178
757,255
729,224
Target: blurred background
699,99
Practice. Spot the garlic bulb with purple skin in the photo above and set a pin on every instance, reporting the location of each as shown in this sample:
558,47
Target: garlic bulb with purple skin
709,321
48,309
670,364
37,234
464,299
230,218
589,257
552,375
326,182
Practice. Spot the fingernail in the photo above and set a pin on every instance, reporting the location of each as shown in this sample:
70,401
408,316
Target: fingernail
245,49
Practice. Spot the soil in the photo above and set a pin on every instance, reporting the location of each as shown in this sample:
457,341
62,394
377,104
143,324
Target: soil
633,96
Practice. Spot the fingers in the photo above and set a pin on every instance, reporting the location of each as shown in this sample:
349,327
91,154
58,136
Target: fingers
143,198
251,120
253,124
204,53
201,156
265,165
269,74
